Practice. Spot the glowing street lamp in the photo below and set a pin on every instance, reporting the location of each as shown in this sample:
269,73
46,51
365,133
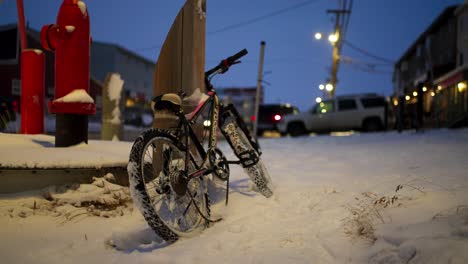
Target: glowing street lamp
321,87
408,98
415,94
333,38
424,89
329,87
318,100
318,35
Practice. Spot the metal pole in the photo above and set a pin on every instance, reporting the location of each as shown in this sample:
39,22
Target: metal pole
32,81
21,24
259,87
32,91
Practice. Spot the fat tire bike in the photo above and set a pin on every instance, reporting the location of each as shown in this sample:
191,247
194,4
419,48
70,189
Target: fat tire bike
168,169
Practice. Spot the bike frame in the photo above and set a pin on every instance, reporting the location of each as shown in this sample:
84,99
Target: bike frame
218,115
188,133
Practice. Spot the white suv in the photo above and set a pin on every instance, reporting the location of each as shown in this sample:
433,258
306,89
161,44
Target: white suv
366,112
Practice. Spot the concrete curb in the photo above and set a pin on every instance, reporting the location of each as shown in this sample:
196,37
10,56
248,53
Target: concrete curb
25,179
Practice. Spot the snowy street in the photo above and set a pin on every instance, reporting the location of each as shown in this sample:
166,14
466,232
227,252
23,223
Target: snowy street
359,198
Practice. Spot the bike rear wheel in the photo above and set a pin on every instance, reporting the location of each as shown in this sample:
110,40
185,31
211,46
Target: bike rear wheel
170,205
241,145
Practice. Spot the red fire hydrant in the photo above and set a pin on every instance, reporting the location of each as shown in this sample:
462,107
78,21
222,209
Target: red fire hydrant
71,40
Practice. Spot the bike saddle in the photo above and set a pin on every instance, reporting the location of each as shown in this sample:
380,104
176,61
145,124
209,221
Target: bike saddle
169,101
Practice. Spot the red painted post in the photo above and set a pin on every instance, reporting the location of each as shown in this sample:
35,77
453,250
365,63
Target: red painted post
32,91
32,81
70,38
21,24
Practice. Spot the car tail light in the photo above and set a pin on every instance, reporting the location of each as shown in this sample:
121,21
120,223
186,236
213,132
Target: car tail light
253,118
277,117
15,106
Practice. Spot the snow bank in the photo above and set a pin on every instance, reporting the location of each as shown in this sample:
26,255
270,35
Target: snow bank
101,198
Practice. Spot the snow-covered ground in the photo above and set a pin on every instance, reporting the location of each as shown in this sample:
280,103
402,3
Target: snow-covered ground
378,198
38,151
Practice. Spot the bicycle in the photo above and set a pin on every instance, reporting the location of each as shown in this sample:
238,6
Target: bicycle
168,168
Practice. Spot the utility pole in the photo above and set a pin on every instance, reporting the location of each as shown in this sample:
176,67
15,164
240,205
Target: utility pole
341,23
259,86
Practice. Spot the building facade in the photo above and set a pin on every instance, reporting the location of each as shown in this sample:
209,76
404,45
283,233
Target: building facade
451,100
136,71
243,99
432,55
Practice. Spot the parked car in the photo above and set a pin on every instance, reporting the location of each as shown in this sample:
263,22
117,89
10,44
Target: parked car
8,108
269,115
138,116
365,112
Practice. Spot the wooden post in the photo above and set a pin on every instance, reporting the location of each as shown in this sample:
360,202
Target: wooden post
112,106
181,63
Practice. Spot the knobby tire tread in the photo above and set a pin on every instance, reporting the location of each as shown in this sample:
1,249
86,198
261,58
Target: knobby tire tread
137,185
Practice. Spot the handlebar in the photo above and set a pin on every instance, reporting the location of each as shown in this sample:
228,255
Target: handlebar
224,65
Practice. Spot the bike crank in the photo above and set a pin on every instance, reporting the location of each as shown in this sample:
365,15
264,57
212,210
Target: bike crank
219,163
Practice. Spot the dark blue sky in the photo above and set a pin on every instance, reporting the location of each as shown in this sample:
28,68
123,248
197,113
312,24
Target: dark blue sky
297,62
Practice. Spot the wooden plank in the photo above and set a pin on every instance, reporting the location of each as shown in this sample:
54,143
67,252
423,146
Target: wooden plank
181,62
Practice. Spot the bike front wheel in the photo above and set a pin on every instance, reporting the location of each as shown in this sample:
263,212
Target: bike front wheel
171,205
241,147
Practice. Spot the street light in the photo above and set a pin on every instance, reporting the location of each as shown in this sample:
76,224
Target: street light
321,87
333,38
318,100
329,87
318,35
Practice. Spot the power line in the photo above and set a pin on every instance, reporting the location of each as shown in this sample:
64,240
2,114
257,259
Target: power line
278,60
367,67
349,60
346,22
367,53
247,22
371,71
263,17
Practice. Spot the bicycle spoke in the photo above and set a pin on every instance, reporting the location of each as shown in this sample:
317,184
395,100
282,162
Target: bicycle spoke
188,206
163,166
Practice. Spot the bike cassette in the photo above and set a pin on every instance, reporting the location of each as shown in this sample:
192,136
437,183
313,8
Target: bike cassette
219,163
178,182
